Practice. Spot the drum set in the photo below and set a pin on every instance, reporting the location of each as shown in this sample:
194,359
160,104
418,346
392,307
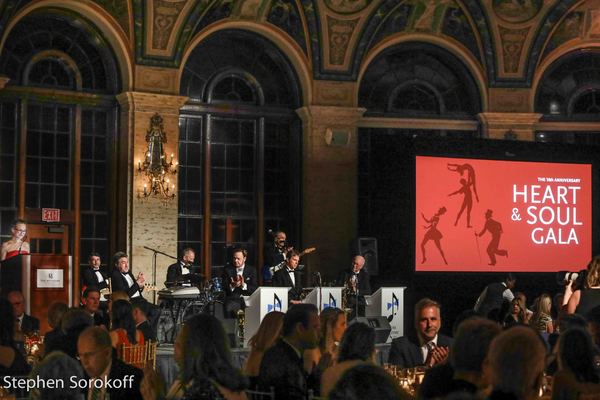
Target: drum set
179,303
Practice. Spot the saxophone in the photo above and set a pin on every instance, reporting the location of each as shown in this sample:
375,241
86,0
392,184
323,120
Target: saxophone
241,321
349,290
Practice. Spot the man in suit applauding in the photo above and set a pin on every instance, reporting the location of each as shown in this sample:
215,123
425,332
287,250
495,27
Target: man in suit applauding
239,280
290,277
122,278
429,347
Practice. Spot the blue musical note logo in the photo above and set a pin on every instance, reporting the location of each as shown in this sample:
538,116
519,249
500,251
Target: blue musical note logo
276,304
332,303
395,302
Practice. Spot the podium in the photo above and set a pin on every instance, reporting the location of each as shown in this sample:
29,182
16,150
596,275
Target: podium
325,297
388,302
260,303
42,278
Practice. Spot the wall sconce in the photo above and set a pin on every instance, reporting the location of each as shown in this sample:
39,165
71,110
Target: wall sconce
155,168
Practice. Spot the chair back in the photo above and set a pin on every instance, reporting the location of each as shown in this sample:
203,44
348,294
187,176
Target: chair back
138,355
258,395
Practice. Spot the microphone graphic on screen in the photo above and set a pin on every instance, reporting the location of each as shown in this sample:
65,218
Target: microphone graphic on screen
394,302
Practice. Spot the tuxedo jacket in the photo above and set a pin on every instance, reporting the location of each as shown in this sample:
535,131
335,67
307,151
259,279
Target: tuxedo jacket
249,275
29,324
118,371
89,278
282,369
281,278
174,273
119,283
406,352
364,280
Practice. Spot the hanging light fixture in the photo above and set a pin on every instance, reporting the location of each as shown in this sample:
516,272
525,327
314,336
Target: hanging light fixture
155,169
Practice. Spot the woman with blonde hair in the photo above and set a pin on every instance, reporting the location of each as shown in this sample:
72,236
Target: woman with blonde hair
584,299
333,326
541,319
268,332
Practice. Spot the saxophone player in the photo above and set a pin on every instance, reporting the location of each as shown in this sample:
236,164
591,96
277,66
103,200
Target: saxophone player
357,281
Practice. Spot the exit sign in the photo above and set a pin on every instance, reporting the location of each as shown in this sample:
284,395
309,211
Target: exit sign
51,214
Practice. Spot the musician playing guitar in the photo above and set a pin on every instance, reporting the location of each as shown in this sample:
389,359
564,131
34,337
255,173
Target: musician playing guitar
239,280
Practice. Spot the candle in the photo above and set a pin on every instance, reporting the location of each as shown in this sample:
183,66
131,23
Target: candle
145,190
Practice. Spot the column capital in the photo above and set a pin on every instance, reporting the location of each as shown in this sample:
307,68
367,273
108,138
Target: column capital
151,102
508,125
3,81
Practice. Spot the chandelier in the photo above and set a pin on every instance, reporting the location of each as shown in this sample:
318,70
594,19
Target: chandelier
155,168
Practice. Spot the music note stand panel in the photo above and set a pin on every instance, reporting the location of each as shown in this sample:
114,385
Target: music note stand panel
325,297
260,303
388,302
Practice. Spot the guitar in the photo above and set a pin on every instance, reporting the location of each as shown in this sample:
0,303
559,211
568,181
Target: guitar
281,265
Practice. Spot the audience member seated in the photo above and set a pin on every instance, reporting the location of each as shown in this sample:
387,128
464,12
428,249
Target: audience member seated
517,313
577,372
204,360
52,338
469,350
26,323
357,347
91,304
12,362
541,319
140,317
567,322
96,354
333,326
581,300
429,347
593,324
282,366
516,364
123,330
73,322
268,332
367,381
57,366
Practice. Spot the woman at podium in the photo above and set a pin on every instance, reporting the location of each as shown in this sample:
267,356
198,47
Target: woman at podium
17,244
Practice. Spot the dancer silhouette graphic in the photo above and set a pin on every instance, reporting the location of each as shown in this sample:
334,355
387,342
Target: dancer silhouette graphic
467,201
433,233
495,228
461,168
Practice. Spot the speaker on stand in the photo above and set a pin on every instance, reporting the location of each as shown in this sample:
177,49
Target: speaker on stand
367,247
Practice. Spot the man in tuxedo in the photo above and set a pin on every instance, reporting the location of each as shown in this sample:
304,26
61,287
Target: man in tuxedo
429,347
122,278
91,304
357,280
92,275
282,366
239,280
25,323
101,365
290,277
140,316
182,273
275,254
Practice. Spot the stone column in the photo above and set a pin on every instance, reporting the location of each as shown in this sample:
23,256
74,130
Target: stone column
329,183
504,125
149,222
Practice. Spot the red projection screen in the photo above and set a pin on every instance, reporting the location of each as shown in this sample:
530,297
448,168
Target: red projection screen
524,216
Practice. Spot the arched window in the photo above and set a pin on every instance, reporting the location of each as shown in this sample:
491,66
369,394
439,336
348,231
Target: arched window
419,83
239,146
59,112
569,91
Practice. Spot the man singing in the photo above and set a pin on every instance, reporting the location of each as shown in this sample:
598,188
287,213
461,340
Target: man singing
181,273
